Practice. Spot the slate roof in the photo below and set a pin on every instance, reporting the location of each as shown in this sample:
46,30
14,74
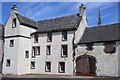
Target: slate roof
70,22
26,21
101,33
91,35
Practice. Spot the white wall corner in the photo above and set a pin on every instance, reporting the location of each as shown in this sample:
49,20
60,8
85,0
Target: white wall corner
83,24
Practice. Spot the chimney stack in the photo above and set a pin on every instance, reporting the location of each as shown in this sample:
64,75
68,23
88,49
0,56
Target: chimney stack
82,9
14,9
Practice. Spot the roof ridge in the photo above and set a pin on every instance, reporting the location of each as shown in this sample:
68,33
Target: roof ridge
48,19
104,25
58,17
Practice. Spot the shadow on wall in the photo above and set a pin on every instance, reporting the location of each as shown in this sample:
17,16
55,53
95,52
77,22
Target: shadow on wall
0,67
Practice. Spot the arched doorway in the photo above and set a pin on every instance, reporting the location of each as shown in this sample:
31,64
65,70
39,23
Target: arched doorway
85,65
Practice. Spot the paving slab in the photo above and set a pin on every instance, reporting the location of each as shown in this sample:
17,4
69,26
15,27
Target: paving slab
54,77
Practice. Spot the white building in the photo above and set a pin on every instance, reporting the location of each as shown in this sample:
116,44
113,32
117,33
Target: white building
1,46
58,46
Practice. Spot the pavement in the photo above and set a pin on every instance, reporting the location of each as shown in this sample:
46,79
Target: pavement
54,77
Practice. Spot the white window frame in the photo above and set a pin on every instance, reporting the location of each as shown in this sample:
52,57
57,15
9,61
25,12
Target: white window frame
11,43
60,67
48,50
8,63
62,51
37,50
14,23
33,52
49,37
36,38
26,54
47,67
32,65
64,36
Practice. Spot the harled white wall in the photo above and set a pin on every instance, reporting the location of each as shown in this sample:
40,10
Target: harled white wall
12,54
118,48
1,54
107,64
19,64
55,56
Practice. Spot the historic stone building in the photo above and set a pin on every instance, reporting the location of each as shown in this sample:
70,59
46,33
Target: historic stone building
60,46
1,46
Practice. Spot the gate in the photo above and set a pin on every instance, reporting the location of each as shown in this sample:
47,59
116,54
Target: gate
85,65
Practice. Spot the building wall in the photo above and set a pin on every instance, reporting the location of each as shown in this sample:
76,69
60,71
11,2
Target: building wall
19,65
9,31
12,54
107,64
1,46
24,63
55,56
25,44
119,58
1,54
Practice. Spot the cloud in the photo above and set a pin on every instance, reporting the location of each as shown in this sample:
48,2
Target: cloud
48,10
60,0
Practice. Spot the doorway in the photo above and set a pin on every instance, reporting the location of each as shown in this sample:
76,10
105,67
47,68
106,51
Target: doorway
85,65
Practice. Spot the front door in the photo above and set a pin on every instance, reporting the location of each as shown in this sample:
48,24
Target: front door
85,65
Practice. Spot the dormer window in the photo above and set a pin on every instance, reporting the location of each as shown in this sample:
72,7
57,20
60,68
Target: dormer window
89,46
64,36
36,38
14,23
49,37
109,47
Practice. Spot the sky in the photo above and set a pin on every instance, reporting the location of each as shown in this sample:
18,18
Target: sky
48,10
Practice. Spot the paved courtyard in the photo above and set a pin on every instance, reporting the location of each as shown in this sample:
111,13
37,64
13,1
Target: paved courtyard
54,77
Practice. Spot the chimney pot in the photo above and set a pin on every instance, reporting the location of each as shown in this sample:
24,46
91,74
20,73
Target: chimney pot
14,9
82,9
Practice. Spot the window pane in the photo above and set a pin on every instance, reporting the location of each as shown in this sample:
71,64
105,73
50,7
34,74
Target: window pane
11,43
48,51
26,54
49,37
36,38
38,50
8,63
14,23
61,67
64,51
48,67
64,36
33,52
32,65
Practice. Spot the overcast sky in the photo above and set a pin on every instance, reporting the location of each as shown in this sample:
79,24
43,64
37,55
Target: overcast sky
47,10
